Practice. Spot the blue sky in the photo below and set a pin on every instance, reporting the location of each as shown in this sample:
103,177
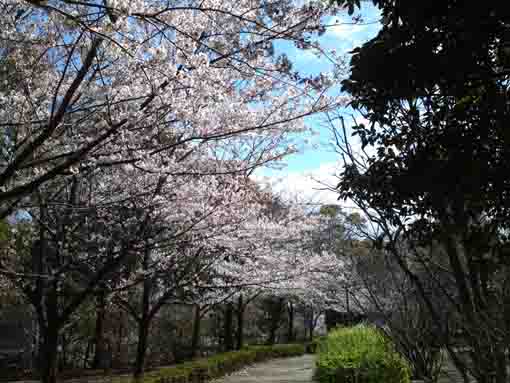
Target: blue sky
319,163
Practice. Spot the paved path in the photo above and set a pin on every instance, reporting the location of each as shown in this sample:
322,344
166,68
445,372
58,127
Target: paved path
300,370
285,370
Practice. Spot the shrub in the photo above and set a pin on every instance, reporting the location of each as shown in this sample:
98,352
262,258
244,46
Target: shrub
204,369
360,354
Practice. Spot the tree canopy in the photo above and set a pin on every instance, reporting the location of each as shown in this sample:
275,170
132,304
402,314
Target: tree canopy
433,86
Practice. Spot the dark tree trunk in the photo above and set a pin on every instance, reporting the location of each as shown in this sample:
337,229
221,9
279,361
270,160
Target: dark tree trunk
275,312
500,365
141,351
48,354
228,329
144,322
272,335
62,362
311,324
290,333
305,324
195,340
119,339
240,322
87,355
99,355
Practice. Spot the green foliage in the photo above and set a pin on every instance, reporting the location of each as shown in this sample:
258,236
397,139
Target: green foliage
360,354
434,90
205,369
433,86
331,210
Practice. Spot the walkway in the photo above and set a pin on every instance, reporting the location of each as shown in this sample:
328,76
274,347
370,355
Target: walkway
285,370
300,370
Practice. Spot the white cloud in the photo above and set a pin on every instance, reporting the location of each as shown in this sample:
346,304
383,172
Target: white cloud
346,29
309,187
347,33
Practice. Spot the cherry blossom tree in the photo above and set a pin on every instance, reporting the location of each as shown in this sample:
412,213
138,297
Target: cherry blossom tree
286,264
175,267
129,129
88,85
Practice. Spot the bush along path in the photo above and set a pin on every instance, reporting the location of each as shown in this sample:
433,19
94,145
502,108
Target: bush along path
207,369
359,354
280,359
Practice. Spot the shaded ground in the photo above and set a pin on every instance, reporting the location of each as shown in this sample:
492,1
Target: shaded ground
287,370
300,370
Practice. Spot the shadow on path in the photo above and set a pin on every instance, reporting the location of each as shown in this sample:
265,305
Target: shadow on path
286,370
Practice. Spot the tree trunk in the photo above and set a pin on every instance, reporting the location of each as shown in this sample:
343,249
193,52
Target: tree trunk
290,333
119,339
347,300
62,361
195,340
144,322
275,312
311,324
500,364
141,350
87,355
48,354
228,329
240,322
305,324
99,355
272,335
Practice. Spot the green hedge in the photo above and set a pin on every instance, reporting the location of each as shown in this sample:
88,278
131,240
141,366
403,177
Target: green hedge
359,354
204,369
